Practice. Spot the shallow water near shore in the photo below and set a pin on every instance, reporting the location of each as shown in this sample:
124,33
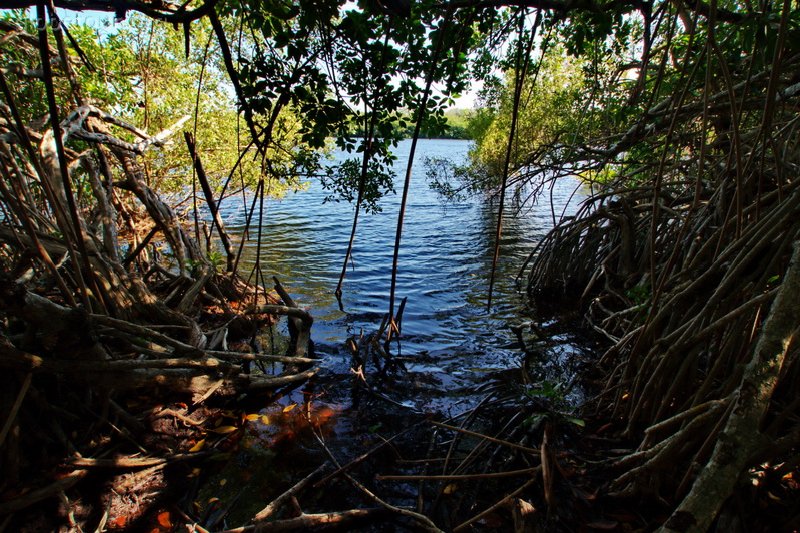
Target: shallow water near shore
451,346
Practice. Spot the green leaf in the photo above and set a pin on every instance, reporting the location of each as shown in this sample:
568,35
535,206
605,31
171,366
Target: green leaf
577,421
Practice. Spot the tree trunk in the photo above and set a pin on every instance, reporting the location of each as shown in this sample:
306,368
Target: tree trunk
741,437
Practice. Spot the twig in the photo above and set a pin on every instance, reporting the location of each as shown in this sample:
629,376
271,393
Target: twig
423,520
12,415
306,522
486,437
275,504
211,390
491,509
192,526
38,495
183,418
361,458
135,462
457,477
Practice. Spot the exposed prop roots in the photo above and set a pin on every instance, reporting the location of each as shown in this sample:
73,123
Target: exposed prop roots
92,318
689,276
491,465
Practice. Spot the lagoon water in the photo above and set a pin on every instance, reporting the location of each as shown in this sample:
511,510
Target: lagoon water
450,344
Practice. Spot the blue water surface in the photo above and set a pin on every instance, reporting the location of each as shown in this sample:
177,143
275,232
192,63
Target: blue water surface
450,341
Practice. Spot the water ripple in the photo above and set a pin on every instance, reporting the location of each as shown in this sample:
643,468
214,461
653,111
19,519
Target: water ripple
445,259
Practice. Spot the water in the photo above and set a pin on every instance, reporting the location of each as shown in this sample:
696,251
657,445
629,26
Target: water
452,347
450,342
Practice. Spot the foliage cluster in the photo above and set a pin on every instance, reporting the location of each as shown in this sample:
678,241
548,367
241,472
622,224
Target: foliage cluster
139,70
456,126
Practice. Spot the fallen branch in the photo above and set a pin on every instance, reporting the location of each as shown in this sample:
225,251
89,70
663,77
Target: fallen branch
311,521
276,504
35,496
494,507
135,462
457,477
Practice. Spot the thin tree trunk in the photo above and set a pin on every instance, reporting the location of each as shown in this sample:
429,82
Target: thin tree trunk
520,71
212,204
421,113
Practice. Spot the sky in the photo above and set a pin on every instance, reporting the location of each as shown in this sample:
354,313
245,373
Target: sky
95,19
468,100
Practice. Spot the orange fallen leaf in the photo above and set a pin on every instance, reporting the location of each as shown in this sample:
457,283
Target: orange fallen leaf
199,446
289,407
224,430
119,521
252,417
164,519
324,414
